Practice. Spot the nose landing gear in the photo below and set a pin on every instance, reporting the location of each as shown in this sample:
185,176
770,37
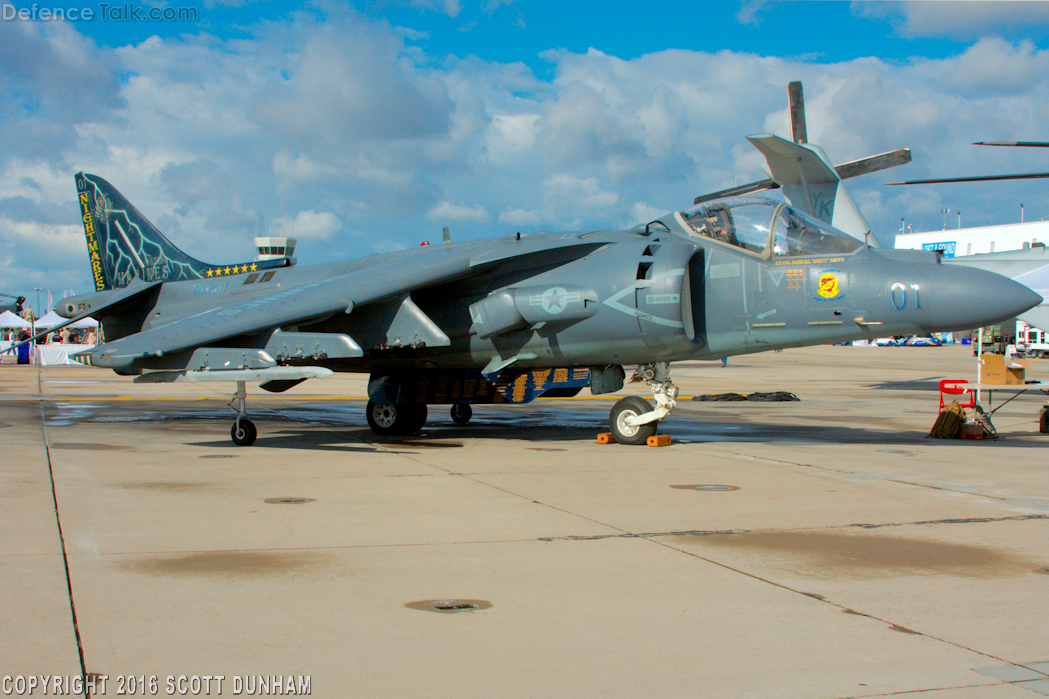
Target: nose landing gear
632,419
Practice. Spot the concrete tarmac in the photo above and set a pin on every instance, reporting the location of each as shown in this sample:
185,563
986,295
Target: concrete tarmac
821,548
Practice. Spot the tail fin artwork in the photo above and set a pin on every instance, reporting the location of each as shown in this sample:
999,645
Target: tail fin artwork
123,244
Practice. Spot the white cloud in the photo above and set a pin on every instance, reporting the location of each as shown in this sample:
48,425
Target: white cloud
509,135
307,225
520,217
957,19
300,168
446,211
578,191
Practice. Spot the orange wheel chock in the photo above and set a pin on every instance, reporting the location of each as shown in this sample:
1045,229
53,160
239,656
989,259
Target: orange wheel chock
605,438
658,440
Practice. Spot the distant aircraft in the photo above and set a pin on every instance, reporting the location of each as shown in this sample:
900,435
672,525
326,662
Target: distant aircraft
15,307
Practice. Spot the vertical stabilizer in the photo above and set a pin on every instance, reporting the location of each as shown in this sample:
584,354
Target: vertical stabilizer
122,244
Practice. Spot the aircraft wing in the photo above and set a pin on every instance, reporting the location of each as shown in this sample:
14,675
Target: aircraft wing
319,298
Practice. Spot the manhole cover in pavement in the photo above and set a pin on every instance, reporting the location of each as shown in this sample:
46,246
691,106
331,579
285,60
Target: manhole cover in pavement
449,606
287,501
711,486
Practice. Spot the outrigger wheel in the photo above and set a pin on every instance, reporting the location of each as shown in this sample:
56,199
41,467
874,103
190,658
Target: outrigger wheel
631,406
461,413
388,420
244,432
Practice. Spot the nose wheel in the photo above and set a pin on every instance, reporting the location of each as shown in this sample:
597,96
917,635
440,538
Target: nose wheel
633,419
623,417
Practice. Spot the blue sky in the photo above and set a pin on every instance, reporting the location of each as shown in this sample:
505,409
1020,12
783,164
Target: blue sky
366,127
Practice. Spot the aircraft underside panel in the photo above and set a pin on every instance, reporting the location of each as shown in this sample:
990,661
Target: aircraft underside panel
469,386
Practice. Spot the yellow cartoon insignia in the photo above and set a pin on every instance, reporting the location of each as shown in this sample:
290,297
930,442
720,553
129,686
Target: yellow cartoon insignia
828,287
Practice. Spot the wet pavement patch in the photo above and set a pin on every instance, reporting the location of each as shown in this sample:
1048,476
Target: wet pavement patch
449,606
228,563
88,446
824,554
711,486
288,501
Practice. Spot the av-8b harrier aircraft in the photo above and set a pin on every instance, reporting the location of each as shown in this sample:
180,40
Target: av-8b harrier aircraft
507,320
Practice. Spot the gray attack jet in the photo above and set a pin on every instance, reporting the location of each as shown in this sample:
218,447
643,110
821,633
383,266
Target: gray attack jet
506,320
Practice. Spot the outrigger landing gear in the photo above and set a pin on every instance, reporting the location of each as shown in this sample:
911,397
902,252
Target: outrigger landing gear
243,432
632,419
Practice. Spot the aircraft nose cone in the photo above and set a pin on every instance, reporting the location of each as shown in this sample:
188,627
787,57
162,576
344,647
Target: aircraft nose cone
965,298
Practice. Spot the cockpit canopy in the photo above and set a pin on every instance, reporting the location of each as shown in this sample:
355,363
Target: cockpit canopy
765,227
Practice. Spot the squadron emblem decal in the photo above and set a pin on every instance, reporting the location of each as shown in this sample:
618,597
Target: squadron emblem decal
829,286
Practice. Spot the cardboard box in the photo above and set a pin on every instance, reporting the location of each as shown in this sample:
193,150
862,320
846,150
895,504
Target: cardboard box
997,371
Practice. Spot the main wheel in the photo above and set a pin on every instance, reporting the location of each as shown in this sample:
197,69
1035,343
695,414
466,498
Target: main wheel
461,413
390,420
1043,422
243,432
631,406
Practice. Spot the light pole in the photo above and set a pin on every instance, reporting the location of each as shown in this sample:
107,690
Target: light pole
36,311
945,212
959,220
1021,212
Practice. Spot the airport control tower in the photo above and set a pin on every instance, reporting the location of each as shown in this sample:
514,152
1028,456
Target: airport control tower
275,248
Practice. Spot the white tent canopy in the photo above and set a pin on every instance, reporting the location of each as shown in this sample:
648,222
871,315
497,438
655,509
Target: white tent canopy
10,320
51,319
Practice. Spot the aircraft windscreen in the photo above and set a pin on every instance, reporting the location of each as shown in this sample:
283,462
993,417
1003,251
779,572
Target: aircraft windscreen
795,233
766,228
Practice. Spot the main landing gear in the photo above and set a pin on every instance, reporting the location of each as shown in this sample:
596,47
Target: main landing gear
389,420
633,420
243,431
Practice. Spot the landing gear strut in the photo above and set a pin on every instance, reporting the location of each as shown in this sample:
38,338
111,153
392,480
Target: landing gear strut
632,420
243,431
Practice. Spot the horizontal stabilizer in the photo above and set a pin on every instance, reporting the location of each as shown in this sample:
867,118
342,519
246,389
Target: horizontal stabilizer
76,308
